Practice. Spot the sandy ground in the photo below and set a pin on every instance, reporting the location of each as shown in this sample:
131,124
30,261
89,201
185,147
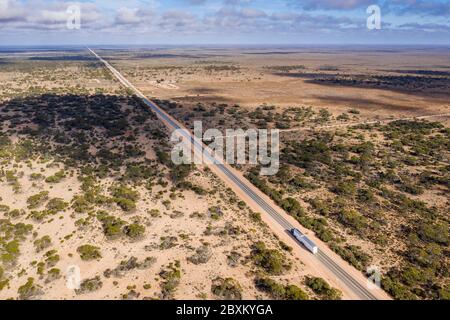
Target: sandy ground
254,82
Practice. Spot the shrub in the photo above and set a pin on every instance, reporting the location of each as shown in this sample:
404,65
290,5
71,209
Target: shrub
345,188
280,292
352,254
36,176
202,255
51,258
396,289
233,259
57,205
444,293
125,192
180,172
227,289
168,242
293,207
112,226
88,252
89,285
427,257
353,219
56,178
80,204
37,199
323,289
42,243
272,261
274,289
134,231
295,293
29,290
301,183
53,274
171,276
125,197
429,232
125,204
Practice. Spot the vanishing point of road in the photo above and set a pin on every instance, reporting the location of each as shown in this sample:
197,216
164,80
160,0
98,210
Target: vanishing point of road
355,284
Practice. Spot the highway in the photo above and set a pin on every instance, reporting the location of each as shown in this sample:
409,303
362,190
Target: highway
354,285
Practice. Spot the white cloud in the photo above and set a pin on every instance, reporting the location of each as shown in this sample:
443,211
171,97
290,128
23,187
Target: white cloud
11,10
133,16
252,13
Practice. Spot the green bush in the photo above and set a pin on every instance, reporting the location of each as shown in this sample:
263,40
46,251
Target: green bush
444,293
90,285
56,178
57,205
396,289
42,243
323,289
51,258
80,204
227,289
426,257
432,232
280,292
88,252
301,183
125,197
353,219
112,226
352,254
122,191
171,276
127,205
271,261
29,290
134,231
345,188
37,199
295,293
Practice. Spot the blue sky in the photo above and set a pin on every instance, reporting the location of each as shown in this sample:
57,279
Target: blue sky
44,22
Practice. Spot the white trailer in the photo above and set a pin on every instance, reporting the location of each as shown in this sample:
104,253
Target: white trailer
304,240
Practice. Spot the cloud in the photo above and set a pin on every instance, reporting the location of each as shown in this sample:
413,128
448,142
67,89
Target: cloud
252,13
11,11
425,27
41,15
226,19
399,7
132,16
179,21
196,2
330,4
237,2
419,7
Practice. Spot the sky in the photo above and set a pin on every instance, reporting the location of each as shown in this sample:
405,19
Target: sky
244,22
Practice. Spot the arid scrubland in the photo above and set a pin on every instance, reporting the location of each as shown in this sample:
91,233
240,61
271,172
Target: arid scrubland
376,193
86,184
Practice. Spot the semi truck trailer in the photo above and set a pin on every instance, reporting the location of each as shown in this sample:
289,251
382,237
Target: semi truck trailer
304,240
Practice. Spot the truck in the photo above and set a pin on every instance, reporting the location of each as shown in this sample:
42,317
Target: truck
304,240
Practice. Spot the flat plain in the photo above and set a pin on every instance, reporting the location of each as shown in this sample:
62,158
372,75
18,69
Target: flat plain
86,179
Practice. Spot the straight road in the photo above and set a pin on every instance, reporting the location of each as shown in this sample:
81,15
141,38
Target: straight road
355,285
